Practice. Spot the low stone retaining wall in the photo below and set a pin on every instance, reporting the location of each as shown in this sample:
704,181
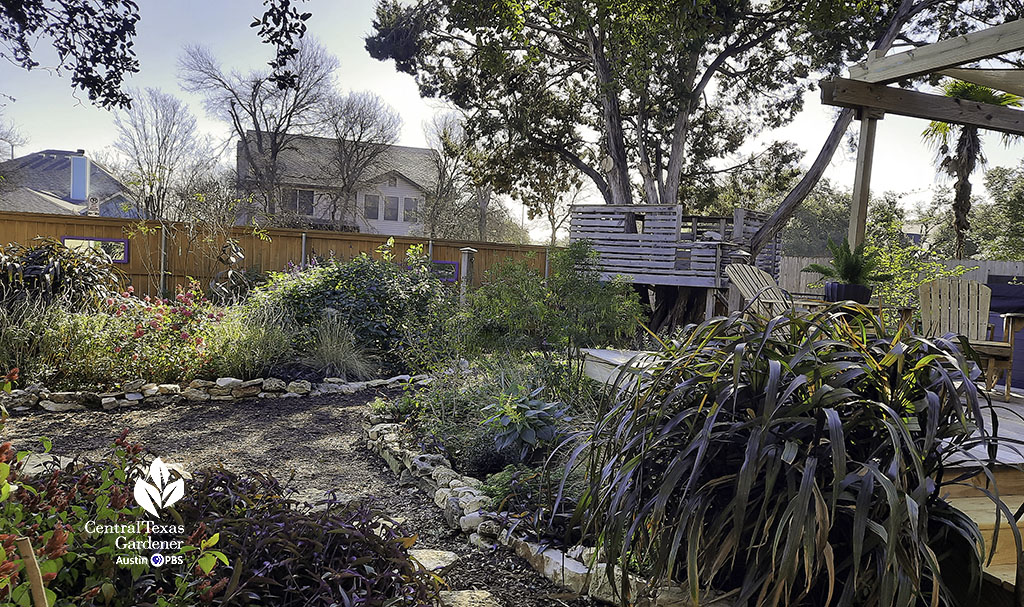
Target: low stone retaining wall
137,393
466,508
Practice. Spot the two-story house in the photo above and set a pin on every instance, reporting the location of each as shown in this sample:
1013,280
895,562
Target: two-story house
386,198
62,182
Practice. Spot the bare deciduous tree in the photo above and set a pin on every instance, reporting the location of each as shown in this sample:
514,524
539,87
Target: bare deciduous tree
461,204
161,144
362,126
266,118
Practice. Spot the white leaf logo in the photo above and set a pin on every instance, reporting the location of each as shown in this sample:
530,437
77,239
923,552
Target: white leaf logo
162,493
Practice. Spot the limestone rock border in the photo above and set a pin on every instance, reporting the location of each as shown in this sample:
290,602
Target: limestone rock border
465,508
139,393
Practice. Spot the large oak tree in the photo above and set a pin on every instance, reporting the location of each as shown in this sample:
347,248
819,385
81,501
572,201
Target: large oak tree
632,93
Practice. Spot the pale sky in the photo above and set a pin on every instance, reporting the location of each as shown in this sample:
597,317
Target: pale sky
50,116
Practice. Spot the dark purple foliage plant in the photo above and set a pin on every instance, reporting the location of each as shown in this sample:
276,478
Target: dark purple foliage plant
797,460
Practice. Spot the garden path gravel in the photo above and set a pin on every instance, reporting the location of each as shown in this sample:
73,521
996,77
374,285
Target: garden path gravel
319,443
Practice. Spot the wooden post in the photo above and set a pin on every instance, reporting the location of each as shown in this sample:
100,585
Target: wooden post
35,577
466,272
862,180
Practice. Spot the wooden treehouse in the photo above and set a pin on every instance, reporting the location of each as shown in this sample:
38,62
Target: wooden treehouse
660,246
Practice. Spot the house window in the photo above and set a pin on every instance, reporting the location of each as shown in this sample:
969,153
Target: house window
412,207
304,202
392,182
371,206
298,201
391,208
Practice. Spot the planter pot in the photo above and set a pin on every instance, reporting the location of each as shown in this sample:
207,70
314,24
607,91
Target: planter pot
838,291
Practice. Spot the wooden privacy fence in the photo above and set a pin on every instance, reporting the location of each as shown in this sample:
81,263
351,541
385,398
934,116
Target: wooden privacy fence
188,254
793,280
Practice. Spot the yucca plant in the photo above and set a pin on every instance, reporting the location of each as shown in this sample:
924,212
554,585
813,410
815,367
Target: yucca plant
799,460
852,267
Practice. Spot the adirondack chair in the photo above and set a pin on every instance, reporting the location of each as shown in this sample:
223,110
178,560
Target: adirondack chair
961,307
758,288
762,292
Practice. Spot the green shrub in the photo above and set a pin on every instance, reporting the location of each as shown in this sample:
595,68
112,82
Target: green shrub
333,350
796,463
515,309
509,310
378,298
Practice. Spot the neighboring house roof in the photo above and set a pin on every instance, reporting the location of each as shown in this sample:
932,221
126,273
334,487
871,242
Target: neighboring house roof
307,161
41,183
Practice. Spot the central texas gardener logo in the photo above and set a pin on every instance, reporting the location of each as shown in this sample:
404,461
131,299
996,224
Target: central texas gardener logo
162,493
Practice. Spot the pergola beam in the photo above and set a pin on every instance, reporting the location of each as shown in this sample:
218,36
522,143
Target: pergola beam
861,95
975,46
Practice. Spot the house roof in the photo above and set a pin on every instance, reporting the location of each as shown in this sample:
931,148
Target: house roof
41,182
27,200
307,159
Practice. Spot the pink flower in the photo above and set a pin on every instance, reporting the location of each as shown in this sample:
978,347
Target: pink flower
110,301
147,299
124,308
117,349
184,335
199,341
131,289
155,324
138,333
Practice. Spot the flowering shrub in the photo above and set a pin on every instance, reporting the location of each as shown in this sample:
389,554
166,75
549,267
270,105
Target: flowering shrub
168,337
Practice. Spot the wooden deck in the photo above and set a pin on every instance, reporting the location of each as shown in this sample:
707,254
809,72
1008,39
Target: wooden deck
659,245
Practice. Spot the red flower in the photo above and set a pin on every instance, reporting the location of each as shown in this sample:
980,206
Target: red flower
117,349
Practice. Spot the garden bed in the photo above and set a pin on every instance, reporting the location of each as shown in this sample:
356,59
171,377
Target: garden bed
320,440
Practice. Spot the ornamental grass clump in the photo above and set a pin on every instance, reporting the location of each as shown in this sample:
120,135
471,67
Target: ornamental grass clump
800,460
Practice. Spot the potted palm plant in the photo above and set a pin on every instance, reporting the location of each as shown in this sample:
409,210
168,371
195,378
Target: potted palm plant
852,272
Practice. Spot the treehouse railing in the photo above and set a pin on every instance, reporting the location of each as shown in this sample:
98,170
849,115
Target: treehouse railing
658,245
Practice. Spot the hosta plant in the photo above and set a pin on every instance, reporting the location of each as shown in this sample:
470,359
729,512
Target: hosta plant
522,421
800,460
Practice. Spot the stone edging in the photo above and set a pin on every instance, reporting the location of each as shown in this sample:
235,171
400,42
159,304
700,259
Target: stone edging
138,392
464,506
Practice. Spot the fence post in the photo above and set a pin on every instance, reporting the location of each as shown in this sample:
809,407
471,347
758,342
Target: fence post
466,271
163,260
302,264
547,262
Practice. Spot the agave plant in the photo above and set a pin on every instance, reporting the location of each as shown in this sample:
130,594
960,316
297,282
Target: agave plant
854,267
799,460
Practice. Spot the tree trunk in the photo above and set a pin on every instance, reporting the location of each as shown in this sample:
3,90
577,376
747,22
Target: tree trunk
677,306
789,204
615,140
966,160
483,201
